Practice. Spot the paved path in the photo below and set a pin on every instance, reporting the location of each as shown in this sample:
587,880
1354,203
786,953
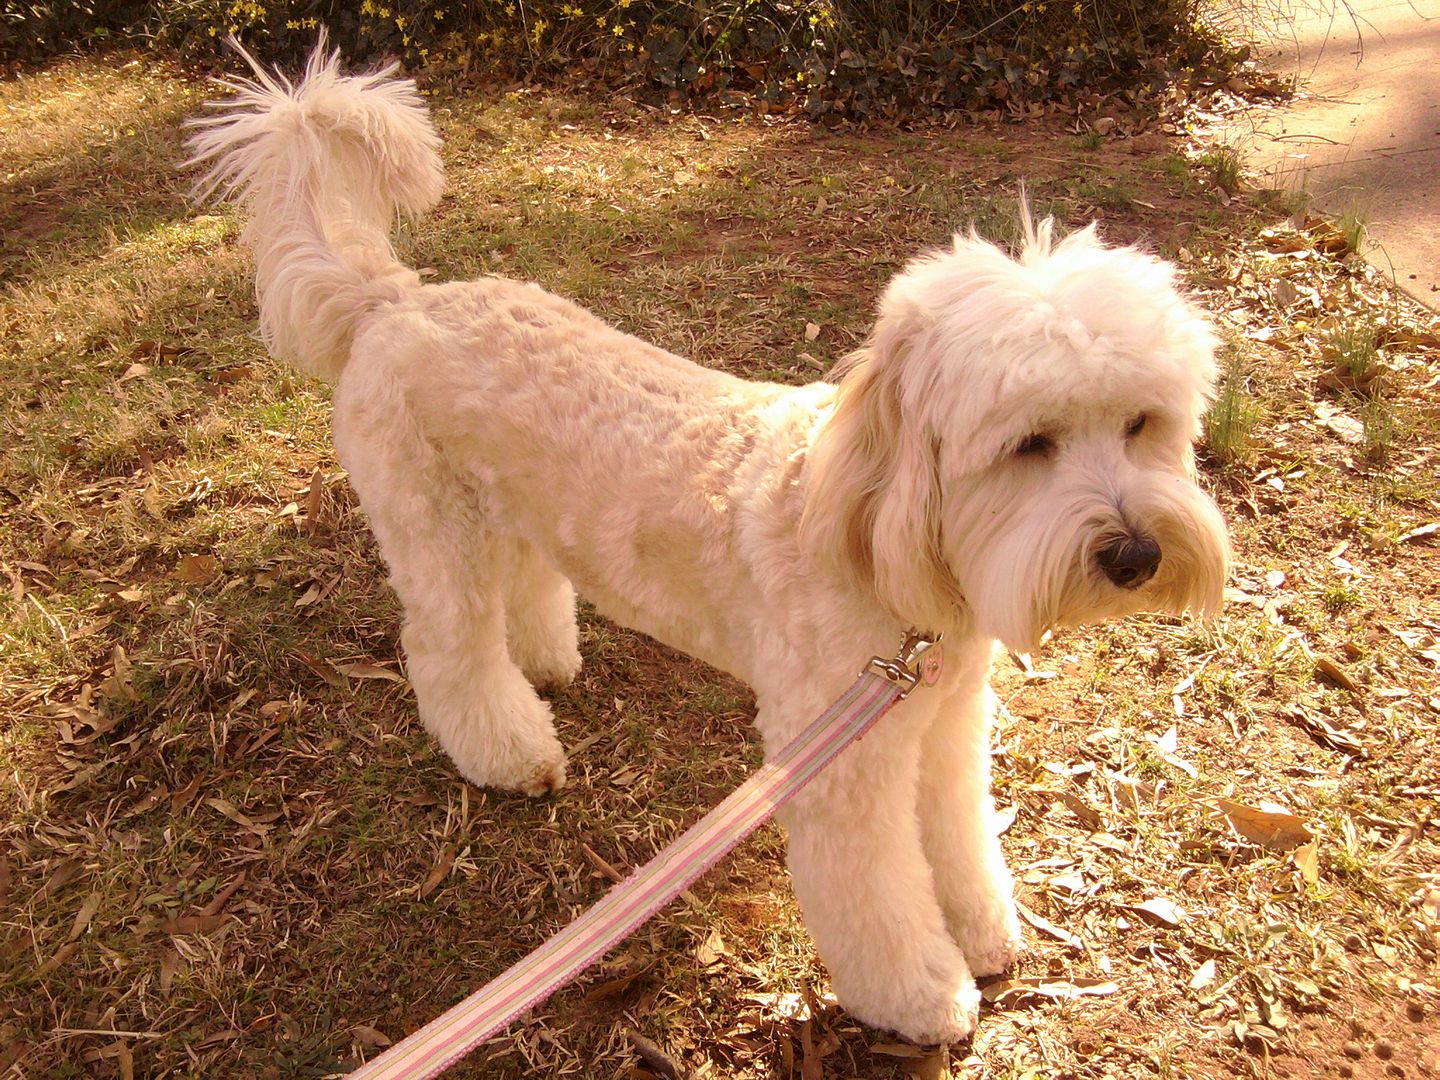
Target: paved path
1364,130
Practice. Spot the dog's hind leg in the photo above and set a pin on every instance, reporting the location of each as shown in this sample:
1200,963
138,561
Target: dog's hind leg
957,815
540,619
864,884
448,569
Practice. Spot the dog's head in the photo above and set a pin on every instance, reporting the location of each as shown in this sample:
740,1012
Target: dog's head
1013,444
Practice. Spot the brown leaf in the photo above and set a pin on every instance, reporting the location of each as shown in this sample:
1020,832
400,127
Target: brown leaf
314,501
233,374
1268,825
198,569
1325,732
1166,912
88,908
1045,926
1011,990
932,1065
712,950
439,872
611,987
195,924
231,811
369,1036
1088,815
222,898
811,1065
369,671
1307,861
183,798
897,1050
1419,533
118,685
650,1052
61,955
1336,674
169,966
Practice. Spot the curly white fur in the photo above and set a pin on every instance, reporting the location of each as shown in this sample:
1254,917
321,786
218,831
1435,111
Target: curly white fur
1009,452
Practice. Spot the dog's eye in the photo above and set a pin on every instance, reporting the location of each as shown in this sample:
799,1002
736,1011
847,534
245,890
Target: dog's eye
1036,445
1134,427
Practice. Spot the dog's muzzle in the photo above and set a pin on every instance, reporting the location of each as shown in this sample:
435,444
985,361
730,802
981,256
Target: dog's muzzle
1130,561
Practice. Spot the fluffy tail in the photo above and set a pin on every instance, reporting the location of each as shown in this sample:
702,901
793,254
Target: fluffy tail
321,167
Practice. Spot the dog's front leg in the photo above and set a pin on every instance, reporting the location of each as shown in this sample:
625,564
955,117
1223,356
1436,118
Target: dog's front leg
957,815
865,887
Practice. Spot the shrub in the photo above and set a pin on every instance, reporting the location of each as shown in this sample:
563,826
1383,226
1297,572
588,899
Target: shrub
833,59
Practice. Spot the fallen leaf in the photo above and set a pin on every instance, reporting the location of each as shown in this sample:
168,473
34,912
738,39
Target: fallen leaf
1087,814
438,873
933,1065
1340,423
118,685
611,987
88,908
369,1036
1204,975
897,1050
1307,861
195,924
1336,674
314,501
169,966
231,811
233,374
198,569
1268,825
1325,732
369,671
712,950
1419,533
1165,745
1166,912
1057,989
812,331
1045,926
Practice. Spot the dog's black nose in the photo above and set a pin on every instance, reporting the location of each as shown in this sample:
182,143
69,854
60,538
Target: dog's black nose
1130,561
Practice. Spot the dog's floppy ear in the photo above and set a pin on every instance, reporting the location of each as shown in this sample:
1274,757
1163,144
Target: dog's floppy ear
872,503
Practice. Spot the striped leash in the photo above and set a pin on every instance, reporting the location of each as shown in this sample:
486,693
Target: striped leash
443,1041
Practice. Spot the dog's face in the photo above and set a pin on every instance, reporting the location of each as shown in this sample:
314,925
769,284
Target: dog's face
1014,444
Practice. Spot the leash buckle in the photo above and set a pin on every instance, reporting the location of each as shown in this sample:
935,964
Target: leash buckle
913,665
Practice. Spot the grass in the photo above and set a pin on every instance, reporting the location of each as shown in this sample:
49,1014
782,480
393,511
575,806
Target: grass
227,834
1225,167
1353,348
1230,423
1353,224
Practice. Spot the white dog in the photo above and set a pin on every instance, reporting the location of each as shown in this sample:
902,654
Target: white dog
1011,451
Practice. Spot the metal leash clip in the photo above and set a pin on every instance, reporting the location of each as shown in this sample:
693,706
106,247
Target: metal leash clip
918,661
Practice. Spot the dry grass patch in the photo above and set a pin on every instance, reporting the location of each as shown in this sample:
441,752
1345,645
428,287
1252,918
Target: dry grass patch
229,850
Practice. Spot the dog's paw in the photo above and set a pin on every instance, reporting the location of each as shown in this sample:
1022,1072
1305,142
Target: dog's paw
990,943
943,1016
548,778
996,957
530,761
552,672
